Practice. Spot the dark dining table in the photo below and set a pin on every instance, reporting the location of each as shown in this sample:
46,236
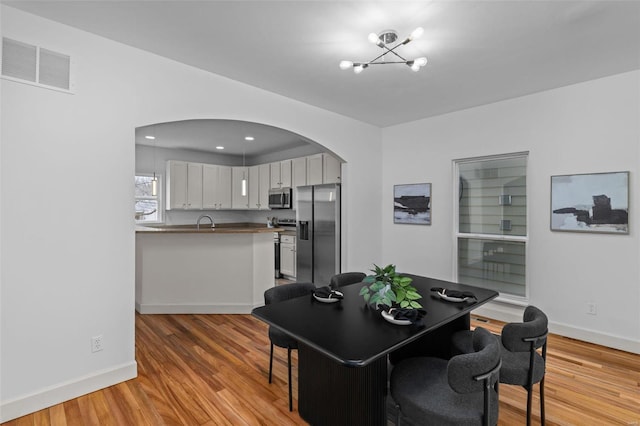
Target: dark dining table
345,347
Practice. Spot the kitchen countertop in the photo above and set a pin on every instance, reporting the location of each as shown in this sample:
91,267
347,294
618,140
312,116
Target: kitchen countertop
222,228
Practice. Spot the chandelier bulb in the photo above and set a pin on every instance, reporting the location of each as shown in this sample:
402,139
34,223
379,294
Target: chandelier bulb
415,67
421,61
344,65
373,38
359,68
416,33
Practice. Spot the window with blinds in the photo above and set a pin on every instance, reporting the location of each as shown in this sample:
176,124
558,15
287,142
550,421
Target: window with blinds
492,223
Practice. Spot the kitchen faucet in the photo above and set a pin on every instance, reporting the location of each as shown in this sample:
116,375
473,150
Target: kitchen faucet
202,216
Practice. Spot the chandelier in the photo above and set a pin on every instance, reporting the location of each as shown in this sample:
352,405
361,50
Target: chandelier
384,40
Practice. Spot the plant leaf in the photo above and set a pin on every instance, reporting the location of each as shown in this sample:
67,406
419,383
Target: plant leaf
404,303
414,304
413,295
404,281
377,286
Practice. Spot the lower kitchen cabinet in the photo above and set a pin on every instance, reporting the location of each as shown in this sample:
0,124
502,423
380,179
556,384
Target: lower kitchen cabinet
288,255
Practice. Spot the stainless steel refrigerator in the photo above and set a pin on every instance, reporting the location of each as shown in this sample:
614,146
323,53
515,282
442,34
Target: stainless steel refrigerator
318,236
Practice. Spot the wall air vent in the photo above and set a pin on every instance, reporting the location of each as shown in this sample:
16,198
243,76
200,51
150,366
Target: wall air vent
34,65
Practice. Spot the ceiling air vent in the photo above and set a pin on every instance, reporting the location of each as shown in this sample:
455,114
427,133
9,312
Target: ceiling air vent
35,65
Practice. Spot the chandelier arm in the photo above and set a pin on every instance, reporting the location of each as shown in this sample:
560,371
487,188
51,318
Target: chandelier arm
387,62
388,51
392,50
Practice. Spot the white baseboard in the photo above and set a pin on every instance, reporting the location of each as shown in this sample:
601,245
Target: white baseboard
65,391
177,308
512,313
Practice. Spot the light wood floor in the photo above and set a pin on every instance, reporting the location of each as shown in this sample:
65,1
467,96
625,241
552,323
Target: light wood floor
212,370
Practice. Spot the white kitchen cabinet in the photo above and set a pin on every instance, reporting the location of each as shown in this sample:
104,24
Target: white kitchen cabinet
259,179
216,187
263,196
285,173
314,169
274,173
194,186
331,169
176,177
298,172
184,185
238,199
280,173
224,187
288,255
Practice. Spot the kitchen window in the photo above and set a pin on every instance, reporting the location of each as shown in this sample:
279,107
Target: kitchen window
491,232
147,206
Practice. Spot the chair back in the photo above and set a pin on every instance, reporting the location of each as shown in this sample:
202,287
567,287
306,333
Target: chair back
463,370
479,372
346,278
517,337
284,292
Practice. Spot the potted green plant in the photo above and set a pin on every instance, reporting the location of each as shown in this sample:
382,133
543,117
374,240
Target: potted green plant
386,287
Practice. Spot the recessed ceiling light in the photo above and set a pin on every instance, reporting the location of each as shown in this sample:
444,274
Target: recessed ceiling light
150,137
219,147
249,138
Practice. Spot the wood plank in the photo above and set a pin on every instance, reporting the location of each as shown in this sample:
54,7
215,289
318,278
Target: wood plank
212,370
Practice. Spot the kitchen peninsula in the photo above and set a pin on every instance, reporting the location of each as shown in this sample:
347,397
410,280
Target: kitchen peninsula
181,269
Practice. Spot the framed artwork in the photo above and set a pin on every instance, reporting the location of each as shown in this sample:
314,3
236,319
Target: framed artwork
412,203
593,202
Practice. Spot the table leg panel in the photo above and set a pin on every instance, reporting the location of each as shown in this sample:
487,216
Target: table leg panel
330,393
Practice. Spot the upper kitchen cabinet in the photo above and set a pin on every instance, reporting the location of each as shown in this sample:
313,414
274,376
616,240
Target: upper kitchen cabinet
184,185
298,172
323,168
314,169
281,174
331,169
216,187
259,179
239,181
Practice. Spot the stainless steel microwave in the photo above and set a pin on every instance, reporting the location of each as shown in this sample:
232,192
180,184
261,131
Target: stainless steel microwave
280,198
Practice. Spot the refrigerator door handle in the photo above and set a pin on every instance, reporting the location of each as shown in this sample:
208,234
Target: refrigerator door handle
303,230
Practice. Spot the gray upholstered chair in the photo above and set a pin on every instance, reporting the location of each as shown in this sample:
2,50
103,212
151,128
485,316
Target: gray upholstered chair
278,337
346,278
460,391
522,364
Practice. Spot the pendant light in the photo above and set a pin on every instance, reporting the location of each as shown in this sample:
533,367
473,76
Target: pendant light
244,174
154,180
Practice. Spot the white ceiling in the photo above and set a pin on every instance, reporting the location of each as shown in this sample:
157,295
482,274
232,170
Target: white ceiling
479,51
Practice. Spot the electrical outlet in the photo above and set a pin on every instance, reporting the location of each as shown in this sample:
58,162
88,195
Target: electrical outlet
591,308
96,343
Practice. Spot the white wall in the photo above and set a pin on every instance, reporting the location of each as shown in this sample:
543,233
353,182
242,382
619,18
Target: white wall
68,275
584,128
